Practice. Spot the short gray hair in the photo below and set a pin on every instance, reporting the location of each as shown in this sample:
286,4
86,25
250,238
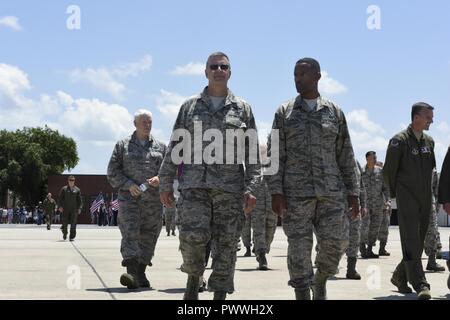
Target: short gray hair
142,112
216,54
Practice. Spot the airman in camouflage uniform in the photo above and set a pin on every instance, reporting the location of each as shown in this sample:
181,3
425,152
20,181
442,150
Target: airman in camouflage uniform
376,191
315,178
246,234
383,234
271,220
170,215
69,204
432,237
354,233
213,192
263,223
49,206
133,169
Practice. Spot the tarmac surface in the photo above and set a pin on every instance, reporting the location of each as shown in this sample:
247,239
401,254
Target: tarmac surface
37,264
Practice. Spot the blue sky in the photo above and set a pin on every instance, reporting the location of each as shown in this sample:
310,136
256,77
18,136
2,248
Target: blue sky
88,83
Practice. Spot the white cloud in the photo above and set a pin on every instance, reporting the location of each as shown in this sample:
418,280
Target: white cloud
110,80
443,127
95,120
360,118
99,79
82,119
13,81
190,69
441,136
15,107
94,124
133,69
366,135
169,103
10,22
330,86
364,141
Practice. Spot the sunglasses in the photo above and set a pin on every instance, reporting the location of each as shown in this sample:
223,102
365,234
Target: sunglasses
71,180
223,67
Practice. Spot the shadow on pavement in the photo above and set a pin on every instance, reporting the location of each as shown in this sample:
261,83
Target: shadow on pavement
410,296
254,269
173,290
334,278
120,290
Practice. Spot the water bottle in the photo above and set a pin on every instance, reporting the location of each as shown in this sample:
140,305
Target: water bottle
144,186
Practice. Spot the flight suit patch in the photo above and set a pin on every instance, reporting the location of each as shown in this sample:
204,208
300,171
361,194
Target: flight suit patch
394,143
425,150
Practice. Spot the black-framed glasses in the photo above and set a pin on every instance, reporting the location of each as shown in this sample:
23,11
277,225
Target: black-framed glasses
223,67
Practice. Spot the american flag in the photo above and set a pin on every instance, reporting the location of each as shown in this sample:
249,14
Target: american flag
115,205
97,203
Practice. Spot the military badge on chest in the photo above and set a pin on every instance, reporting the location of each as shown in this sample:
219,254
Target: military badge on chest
425,149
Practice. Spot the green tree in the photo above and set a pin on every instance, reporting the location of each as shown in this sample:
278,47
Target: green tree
29,156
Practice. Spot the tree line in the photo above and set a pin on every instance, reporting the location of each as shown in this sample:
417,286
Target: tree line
27,157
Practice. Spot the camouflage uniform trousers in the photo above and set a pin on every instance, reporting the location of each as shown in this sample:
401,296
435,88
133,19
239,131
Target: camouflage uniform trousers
326,215
140,223
383,234
432,236
370,225
271,227
246,234
263,222
208,214
170,219
354,236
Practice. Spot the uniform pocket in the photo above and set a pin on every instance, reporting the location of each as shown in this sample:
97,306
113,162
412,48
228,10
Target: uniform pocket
234,123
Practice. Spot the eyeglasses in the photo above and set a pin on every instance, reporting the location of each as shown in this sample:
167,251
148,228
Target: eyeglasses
223,67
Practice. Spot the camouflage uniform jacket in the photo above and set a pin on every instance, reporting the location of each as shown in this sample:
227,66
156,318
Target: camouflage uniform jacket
376,189
131,163
235,177
315,152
